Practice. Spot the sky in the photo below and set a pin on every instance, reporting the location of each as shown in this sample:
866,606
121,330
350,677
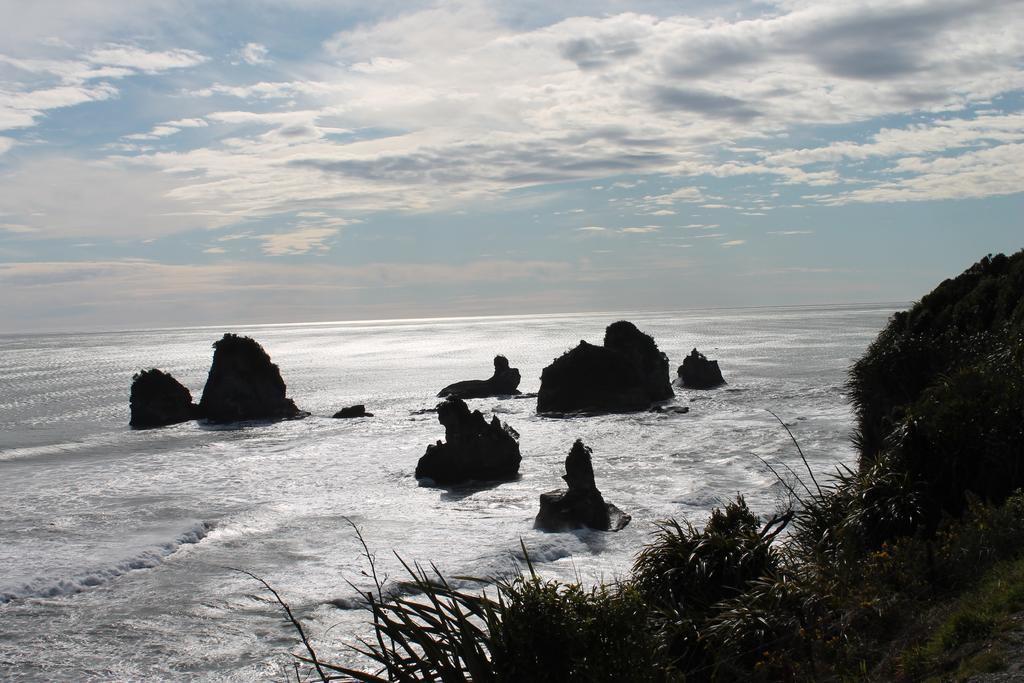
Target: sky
212,162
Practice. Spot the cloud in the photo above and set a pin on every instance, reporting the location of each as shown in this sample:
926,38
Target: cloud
590,53
254,53
982,173
5,145
21,109
60,197
640,230
133,57
300,241
733,243
703,102
388,118
168,128
591,228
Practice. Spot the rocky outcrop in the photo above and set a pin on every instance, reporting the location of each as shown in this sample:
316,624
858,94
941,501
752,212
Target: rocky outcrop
473,450
158,400
628,373
504,382
358,410
697,372
244,385
581,505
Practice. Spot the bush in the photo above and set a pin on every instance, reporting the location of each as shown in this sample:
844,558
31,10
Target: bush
939,395
685,574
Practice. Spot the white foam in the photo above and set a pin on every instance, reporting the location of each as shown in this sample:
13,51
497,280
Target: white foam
98,576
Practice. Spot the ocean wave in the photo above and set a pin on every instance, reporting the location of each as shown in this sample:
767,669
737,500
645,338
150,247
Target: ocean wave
98,576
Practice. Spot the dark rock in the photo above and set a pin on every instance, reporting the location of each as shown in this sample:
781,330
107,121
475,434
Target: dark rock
627,374
158,400
423,411
244,385
353,411
503,382
581,505
474,449
643,354
697,372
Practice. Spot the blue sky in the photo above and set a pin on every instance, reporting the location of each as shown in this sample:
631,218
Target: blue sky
192,163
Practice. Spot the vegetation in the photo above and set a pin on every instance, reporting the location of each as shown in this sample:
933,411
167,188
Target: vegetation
853,580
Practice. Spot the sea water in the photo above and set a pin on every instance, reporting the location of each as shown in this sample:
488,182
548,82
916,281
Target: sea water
119,549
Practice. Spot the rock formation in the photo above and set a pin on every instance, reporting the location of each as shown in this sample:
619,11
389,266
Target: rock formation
244,385
697,372
627,374
157,400
358,410
473,450
581,505
503,382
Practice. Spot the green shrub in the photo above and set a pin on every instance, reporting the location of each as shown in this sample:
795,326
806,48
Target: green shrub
561,632
939,395
685,573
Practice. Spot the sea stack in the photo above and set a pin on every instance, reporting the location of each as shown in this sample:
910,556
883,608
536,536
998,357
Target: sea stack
581,505
627,374
697,372
474,449
504,382
244,385
358,410
158,400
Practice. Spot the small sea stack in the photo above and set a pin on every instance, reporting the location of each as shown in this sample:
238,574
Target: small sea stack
244,385
158,400
504,382
697,372
581,505
627,374
358,410
473,450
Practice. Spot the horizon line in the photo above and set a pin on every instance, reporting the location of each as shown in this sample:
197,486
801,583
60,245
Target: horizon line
447,318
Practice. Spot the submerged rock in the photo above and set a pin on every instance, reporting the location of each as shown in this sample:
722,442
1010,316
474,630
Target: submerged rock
473,450
627,374
581,505
158,400
244,385
697,372
503,382
358,410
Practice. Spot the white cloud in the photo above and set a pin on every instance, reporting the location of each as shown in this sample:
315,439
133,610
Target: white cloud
733,243
492,108
300,241
134,57
254,53
21,109
397,120
168,128
640,230
66,197
982,173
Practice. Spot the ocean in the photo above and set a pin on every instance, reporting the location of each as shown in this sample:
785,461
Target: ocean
119,548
